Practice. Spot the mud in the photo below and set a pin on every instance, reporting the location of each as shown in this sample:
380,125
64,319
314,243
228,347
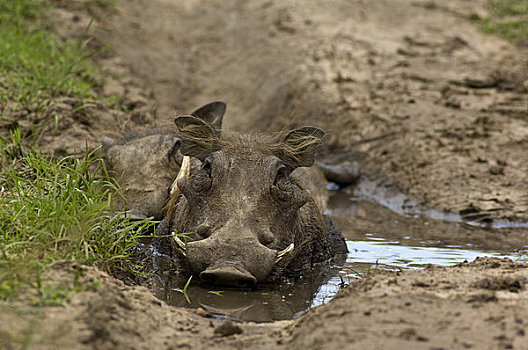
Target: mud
409,87
477,305
409,92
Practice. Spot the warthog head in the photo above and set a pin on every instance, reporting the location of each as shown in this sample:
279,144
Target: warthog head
248,216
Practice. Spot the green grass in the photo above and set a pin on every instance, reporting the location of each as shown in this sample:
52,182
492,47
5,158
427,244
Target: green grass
33,63
35,66
15,11
505,8
185,290
58,209
51,209
107,4
508,19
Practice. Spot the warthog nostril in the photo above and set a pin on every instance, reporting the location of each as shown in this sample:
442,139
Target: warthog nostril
228,276
204,230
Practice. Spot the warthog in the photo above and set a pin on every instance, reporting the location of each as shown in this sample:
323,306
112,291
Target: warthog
244,203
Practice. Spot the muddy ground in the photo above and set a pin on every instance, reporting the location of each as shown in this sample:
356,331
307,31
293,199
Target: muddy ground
478,305
410,92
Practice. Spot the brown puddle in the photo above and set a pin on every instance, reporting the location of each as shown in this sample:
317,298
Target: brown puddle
377,238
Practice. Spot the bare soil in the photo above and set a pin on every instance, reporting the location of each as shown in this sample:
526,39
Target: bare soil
409,91
479,305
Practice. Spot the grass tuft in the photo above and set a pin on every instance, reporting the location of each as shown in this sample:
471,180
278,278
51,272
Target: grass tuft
505,8
17,11
58,209
35,66
507,19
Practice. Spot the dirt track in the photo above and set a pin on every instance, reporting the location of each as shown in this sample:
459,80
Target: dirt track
408,89
411,90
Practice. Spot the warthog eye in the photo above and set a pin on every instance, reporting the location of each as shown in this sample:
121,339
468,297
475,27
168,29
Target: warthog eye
204,230
280,185
207,166
281,176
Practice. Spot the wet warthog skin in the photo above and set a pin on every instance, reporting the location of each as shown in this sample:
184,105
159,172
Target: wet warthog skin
244,204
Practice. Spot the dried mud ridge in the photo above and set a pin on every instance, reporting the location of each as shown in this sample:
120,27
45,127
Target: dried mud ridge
479,305
408,90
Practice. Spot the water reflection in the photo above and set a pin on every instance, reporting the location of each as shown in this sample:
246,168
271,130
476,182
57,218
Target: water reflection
281,301
359,217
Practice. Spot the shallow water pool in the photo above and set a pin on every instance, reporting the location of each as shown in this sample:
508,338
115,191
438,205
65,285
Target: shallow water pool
377,238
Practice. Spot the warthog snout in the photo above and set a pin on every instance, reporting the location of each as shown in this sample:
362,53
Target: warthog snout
231,256
228,274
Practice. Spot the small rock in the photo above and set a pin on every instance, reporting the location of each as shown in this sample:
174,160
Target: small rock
344,173
481,297
408,333
405,52
496,170
420,283
200,311
453,103
480,83
227,328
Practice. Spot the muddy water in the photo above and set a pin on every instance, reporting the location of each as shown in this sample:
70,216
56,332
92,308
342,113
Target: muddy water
377,238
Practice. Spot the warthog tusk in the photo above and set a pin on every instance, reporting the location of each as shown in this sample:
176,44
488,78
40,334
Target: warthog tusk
185,169
178,244
280,254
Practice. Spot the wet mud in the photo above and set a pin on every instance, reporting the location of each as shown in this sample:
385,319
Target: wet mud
424,112
477,305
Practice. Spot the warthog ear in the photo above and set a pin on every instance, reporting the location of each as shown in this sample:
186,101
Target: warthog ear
199,139
299,146
212,113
